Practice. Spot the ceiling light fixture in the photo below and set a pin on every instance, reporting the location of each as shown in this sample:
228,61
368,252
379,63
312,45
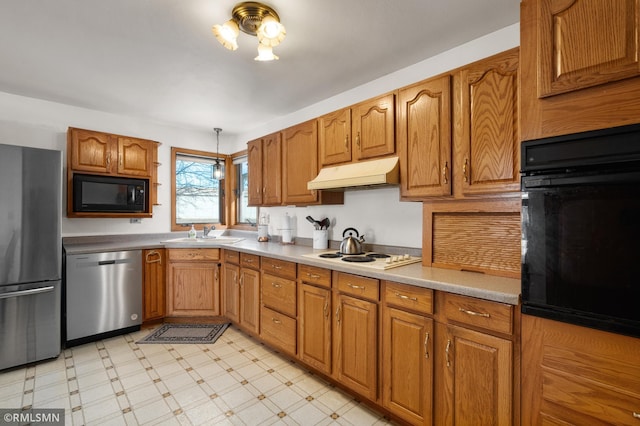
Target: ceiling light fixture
218,170
255,19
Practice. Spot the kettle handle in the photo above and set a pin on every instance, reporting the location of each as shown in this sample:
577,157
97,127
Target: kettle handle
351,229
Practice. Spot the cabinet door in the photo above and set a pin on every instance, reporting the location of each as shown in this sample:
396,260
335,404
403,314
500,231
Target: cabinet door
300,162
356,344
314,327
487,138
193,289
271,170
334,131
585,43
476,386
424,138
231,292
407,365
254,161
154,298
373,127
250,300
93,152
134,156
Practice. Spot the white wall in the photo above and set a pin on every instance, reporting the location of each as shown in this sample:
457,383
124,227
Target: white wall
377,213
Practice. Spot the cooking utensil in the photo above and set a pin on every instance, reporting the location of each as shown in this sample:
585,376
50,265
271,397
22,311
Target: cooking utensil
315,222
351,244
324,223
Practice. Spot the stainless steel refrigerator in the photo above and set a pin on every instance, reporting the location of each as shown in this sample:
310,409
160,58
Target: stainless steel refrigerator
30,254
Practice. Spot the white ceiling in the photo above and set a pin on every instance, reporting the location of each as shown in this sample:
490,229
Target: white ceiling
158,59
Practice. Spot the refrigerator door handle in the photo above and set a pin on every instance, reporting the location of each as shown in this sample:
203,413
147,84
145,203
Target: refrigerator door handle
26,292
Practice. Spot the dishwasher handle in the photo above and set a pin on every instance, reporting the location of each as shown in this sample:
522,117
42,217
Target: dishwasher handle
30,292
114,262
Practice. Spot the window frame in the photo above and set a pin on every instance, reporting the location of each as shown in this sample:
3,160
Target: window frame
233,199
175,151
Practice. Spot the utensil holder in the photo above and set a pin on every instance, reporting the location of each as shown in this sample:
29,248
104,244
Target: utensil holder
321,239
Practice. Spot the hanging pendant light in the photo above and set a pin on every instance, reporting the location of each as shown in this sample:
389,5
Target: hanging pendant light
218,169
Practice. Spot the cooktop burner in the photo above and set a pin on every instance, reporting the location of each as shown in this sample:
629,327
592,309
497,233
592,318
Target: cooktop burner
330,255
378,255
358,259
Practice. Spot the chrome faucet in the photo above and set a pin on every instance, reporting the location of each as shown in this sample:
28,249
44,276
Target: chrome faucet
206,229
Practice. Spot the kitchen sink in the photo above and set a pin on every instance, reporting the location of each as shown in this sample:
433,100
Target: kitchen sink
203,241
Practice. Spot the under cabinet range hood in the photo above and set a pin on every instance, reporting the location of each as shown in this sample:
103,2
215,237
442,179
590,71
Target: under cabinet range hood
358,175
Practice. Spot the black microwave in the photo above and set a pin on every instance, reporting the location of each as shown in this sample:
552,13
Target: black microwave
109,194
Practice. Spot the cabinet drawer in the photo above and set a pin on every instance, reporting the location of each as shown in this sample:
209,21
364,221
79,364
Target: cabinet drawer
410,297
250,260
231,256
281,268
358,286
194,254
480,313
315,275
278,329
279,294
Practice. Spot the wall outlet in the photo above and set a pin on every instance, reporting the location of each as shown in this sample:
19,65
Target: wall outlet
135,220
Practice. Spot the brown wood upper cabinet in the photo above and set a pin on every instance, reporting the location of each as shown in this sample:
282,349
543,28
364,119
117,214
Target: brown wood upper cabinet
580,66
264,157
300,165
365,130
424,138
487,142
98,152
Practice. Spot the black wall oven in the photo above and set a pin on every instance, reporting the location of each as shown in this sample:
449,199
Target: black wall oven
581,229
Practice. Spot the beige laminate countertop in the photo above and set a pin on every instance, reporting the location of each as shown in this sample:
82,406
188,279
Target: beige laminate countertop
489,287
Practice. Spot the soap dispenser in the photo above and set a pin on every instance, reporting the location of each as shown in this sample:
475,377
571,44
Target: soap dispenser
192,233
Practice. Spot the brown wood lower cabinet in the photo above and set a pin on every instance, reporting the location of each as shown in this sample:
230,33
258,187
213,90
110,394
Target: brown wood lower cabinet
193,282
241,290
355,333
314,317
579,376
279,304
154,284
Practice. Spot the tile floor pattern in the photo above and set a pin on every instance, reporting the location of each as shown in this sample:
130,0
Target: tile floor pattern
235,381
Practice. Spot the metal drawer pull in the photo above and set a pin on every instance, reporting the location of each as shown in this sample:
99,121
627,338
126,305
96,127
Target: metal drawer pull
276,321
356,287
426,345
310,275
446,351
276,285
475,314
445,172
276,267
248,260
636,415
402,296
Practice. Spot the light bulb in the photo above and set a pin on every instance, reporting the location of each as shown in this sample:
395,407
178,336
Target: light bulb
265,53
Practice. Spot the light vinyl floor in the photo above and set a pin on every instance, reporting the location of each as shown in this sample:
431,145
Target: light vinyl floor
235,381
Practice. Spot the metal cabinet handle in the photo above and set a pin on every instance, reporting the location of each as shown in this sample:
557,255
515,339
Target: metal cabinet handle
445,172
310,275
356,287
153,253
465,170
636,415
475,314
358,139
242,279
248,261
346,143
325,310
426,345
215,276
338,314
276,285
108,159
276,267
120,159
276,321
404,297
446,351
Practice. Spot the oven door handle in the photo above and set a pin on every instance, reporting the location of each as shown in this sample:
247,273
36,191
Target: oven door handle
26,292
531,182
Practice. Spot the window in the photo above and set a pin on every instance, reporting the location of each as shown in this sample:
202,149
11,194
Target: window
197,198
244,214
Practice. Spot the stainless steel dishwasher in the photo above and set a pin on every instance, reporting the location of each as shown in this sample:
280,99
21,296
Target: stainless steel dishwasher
103,295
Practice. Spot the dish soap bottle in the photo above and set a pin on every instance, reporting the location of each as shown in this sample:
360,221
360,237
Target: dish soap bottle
192,233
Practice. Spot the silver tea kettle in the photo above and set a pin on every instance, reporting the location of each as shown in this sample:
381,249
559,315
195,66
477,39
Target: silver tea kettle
351,244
